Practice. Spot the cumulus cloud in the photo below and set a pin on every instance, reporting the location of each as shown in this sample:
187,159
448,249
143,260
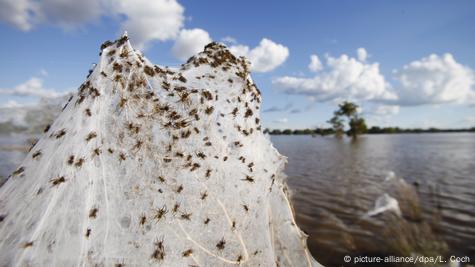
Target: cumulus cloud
341,78
151,20
145,20
384,110
435,80
190,42
431,80
11,104
315,63
19,13
362,54
32,87
267,56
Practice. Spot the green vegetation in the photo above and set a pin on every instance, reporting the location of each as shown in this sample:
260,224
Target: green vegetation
356,123
372,130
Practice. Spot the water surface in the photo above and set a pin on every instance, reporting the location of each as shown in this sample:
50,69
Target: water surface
335,182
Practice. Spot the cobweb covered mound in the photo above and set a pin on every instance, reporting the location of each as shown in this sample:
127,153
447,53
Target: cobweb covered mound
153,166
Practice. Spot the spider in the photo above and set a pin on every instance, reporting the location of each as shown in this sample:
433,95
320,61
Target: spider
91,136
187,252
248,179
57,181
93,213
221,244
36,154
160,213
186,216
159,251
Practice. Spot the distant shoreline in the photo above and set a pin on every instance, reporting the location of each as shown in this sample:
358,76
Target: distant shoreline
372,130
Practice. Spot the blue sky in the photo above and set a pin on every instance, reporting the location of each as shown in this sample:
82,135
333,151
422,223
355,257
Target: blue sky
415,67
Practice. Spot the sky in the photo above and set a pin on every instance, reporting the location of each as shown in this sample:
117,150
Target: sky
405,63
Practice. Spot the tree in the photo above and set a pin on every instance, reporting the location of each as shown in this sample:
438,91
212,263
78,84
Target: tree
287,132
357,126
356,123
347,109
337,124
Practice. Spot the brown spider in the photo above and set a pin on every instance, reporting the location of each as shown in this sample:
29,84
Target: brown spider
71,160
91,136
97,151
93,213
36,154
27,244
176,207
79,162
160,213
142,219
187,252
195,166
159,251
248,113
248,179
19,171
221,244
57,181
186,216
209,110
60,133
88,232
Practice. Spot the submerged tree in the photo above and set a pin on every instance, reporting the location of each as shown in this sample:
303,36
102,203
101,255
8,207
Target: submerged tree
356,123
337,124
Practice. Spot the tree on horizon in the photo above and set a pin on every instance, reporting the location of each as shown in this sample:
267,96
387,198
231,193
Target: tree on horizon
356,123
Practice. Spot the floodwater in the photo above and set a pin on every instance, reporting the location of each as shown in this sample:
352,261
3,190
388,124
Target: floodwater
335,182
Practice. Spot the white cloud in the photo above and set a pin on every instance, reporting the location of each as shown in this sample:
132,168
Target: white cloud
431,80
362,54
190,42
287,107
151,20
281,121
32,87
229,40
315,63
434,80
144,20
19,13
384,110
12,104
341,78
265,57
69,14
